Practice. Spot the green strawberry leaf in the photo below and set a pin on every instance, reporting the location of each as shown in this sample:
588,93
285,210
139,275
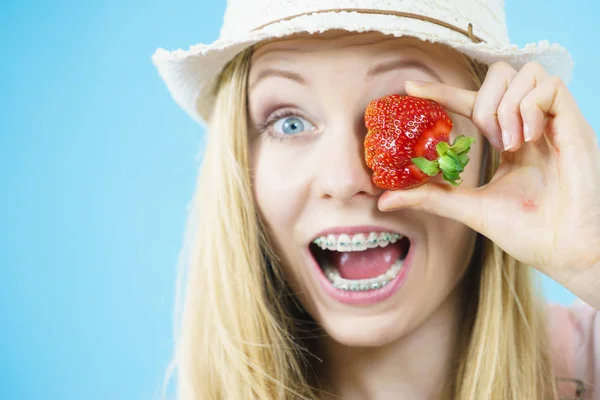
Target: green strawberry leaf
453,159
458,166
451,174
462,144
451,177
449,164
453,182
431,168
442,148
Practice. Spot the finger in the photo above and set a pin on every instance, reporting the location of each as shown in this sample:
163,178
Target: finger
458,203
481,106
509,110
533,117
485,111
552,98
456,100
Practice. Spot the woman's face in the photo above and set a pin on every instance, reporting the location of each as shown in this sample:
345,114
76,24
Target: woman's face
307,97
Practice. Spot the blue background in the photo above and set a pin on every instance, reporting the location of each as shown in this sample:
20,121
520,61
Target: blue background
97,165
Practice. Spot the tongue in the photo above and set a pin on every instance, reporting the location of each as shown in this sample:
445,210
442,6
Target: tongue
366,264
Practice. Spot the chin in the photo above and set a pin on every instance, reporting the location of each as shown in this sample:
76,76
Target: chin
364,331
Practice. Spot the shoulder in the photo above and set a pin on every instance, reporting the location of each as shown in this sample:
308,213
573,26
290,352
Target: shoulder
575,338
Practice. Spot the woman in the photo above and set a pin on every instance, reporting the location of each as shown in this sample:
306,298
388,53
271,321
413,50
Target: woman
284,172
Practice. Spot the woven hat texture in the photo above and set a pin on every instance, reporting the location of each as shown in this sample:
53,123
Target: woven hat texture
478,29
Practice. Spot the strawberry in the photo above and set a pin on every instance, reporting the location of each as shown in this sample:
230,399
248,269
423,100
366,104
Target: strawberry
408,142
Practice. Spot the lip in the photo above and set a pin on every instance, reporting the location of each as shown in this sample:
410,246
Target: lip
369,297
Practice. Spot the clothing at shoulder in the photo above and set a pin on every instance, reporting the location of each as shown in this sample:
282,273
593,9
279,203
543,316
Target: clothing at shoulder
575,333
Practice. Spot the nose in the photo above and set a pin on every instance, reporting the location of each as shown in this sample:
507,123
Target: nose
344,174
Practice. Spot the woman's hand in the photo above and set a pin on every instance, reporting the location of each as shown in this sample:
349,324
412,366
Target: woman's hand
543,204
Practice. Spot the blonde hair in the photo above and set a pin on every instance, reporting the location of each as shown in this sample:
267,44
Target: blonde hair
236,335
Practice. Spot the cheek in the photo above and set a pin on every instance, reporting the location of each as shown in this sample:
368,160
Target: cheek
453,243
449,247
281,185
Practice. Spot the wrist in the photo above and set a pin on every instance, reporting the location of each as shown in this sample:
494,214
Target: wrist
583,282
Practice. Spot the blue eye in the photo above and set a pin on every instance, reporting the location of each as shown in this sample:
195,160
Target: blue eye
292,125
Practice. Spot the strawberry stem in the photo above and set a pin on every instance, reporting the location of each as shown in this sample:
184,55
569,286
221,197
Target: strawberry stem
451,162
431,168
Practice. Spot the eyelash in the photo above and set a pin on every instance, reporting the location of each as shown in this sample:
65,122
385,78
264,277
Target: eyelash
274,117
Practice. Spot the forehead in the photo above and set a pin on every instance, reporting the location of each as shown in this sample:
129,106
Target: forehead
366,44
335,56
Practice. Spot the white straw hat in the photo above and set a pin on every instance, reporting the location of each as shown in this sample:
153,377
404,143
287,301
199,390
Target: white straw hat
476,28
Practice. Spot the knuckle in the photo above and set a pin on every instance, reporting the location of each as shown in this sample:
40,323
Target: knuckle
480,117
525,106
502,68
506,108
534,66
557,82
444,92
502,113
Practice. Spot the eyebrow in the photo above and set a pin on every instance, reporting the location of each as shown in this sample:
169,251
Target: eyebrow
265,73
399,64
374,71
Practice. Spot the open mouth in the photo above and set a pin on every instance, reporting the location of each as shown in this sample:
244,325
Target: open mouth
360,262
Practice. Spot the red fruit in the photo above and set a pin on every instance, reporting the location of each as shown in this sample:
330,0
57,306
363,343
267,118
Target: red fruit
407,143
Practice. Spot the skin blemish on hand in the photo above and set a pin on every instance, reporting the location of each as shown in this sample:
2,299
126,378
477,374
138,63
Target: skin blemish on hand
528,205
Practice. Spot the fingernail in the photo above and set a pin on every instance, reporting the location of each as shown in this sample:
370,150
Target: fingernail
416,83
526,132
384,206
507,140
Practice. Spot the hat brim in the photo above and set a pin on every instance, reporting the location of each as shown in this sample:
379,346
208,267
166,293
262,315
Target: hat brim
191,75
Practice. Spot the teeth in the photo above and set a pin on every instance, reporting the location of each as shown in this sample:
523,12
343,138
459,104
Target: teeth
331,242
344,243
358,242
384,239
372,240
361,285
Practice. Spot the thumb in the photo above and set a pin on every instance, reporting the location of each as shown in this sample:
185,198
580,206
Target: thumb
458,203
